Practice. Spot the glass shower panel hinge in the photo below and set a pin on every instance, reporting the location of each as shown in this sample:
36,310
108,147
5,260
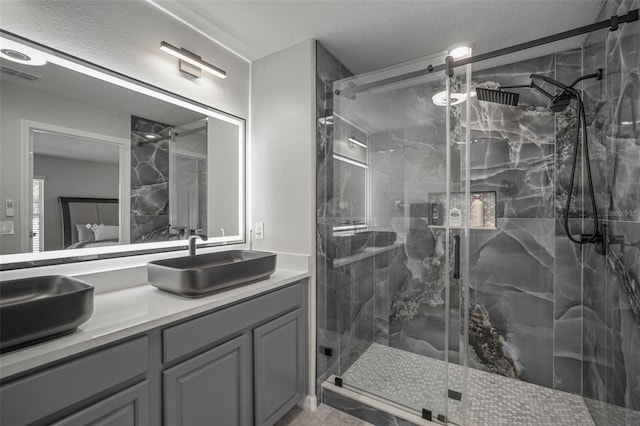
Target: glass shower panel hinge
325,351
338,382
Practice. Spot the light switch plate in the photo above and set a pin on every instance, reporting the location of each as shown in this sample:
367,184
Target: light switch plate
259,231
6,227
9,208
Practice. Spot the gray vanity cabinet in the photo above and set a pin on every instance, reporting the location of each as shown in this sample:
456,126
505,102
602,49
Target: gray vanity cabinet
213,388
239,365
127,408
279,366
48,395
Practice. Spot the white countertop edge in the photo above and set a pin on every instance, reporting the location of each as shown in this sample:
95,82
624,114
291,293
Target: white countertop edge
165,308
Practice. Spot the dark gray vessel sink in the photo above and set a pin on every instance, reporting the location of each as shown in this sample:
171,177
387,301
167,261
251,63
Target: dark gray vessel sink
199,275
382,238
41,308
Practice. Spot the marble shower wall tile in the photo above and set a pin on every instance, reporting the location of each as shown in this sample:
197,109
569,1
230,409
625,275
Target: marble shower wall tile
512,272
541,322
332,311
611,289
569,67
597,109
623,132
149,182
512,149
568,313
611,326
623,315
390,274
406,173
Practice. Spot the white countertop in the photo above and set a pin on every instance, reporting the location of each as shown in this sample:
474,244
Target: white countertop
126,312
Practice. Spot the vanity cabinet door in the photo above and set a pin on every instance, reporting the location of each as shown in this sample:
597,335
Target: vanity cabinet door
213,388
127,408
279,357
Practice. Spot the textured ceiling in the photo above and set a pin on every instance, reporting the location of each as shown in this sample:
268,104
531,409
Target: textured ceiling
368,35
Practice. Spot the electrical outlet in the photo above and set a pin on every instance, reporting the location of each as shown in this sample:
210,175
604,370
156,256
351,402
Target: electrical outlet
6,227
259,233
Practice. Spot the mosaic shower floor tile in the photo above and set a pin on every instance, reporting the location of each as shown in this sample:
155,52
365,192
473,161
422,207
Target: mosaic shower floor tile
417,382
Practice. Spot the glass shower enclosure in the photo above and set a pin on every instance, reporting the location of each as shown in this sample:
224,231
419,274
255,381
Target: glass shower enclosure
396,238
428,307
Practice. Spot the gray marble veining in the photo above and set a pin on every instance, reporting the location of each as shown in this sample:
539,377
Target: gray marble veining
149,182
544,310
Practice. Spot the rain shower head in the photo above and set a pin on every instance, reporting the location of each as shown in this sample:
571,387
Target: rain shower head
497,96
557,103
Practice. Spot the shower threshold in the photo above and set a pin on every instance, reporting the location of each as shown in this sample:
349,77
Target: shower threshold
396,378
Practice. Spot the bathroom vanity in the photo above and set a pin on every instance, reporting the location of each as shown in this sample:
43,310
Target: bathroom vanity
147,357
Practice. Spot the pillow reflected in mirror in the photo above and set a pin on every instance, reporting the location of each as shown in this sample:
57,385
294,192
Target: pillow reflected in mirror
85,234
106,232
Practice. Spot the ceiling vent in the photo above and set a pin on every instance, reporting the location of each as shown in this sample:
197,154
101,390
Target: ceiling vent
19,74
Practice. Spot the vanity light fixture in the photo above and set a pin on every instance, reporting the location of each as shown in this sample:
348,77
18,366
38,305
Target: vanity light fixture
192,59
150,136
356,142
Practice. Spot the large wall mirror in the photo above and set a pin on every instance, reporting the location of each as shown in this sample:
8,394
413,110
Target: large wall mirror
94,163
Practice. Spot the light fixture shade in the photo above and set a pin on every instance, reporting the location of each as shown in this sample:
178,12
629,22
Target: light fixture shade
440,98
20,53
193,59
460,52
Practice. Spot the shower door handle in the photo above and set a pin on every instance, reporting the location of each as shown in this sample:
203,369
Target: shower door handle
456,256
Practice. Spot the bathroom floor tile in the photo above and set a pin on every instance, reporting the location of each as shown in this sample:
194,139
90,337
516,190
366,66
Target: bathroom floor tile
325,416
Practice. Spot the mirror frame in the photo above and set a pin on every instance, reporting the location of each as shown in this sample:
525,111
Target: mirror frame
55,257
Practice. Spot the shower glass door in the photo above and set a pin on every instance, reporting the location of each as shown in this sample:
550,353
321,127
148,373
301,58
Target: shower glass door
188,168
398,223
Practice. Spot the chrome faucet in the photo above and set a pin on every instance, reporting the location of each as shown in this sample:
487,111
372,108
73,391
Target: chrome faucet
192,240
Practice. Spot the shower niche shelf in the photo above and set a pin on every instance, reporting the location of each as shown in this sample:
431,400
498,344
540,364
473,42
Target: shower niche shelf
437,216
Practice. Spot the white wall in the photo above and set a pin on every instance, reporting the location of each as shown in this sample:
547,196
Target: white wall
283,149
222,160
65,177
282,171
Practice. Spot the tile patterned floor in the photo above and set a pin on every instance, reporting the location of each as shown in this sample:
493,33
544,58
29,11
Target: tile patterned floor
416,381
325,416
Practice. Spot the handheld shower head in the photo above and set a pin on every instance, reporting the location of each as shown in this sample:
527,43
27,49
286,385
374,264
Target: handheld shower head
560,101
548,80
